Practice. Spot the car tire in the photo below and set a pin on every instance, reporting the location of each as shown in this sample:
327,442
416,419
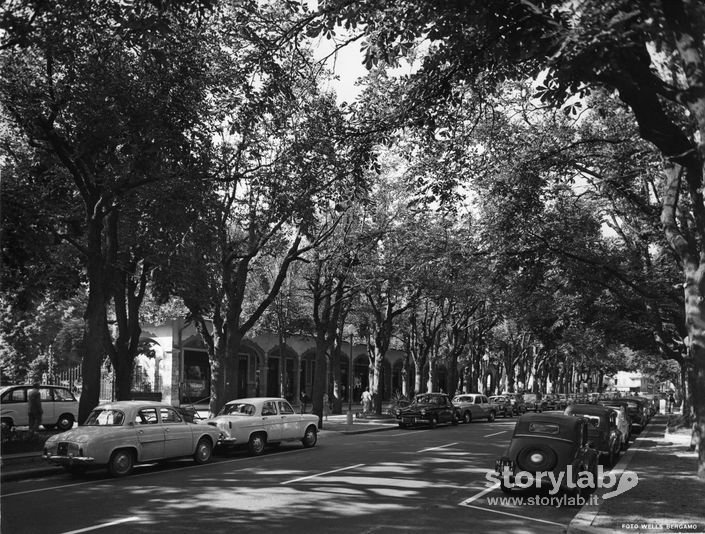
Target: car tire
257,444
204,451
525,458
434,421
310,437
454,419
65,422
467,417
491,416
121,463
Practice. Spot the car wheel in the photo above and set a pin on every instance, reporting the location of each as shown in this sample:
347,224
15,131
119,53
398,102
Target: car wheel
454,419
310,437
434,421
467,417
491,416
65,422
204,451
536,458
257,443
121,463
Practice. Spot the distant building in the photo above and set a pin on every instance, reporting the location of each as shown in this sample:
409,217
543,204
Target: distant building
630,382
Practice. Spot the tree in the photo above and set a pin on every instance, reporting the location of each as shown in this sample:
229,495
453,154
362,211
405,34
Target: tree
93,88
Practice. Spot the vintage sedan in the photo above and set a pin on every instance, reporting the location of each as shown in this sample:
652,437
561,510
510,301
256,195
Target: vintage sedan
502,405
427,409
473,406
260,421
548,443
119,435
602,431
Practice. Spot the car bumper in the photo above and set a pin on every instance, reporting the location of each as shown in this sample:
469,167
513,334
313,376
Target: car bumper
68,460
415,420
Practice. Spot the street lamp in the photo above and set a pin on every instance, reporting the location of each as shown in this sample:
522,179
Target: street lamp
350,383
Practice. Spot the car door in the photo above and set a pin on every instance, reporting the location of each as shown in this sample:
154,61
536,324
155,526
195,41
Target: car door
271,421
479,411
150,434
178,437
49,414
14,405
292,426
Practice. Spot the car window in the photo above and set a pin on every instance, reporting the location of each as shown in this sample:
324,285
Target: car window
544,428
269,408
285,408
15,395
147,416
169,416
61,394
478,400
101,417
45,394
237,408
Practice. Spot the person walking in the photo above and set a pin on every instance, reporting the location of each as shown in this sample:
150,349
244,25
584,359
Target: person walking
34,402
366,401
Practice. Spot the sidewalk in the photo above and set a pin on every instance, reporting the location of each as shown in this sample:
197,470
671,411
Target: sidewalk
668,496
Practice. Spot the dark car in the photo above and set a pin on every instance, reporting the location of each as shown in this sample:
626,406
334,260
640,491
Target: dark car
503,405
550,402
427,409
548,443
517,402
602,431
533,402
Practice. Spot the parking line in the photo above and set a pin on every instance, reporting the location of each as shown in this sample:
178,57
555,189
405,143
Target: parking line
436,448
495,434
103,525
322,474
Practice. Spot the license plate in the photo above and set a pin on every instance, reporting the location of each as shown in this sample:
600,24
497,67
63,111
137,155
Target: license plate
63,449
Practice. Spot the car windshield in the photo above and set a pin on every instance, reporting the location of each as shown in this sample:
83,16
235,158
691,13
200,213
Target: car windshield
238,408
594,420
427,399
105,417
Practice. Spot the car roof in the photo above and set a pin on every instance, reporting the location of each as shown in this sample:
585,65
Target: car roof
255,400
556,418
588,409
123,405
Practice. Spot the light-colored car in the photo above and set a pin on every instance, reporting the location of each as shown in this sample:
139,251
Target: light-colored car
258,421
503,405
119,435
472,406
59,406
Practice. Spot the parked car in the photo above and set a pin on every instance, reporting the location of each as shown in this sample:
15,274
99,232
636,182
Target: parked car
59,405
550,402
119,435
517,402
428,409
623,421
602,431
472,406
502,405
637,419
562,401
548,443
260,421
533,402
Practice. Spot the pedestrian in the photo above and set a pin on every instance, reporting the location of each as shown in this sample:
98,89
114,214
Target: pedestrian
304,398
326,406
671,402
366,400
34,405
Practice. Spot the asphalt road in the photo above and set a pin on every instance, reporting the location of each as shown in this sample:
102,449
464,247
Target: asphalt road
401,480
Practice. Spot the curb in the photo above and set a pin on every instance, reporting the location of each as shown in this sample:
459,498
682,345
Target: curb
582,522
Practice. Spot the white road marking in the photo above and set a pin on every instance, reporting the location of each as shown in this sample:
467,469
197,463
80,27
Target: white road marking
104,525
322,474
495,434
482,493
436,448
514,515
408,433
